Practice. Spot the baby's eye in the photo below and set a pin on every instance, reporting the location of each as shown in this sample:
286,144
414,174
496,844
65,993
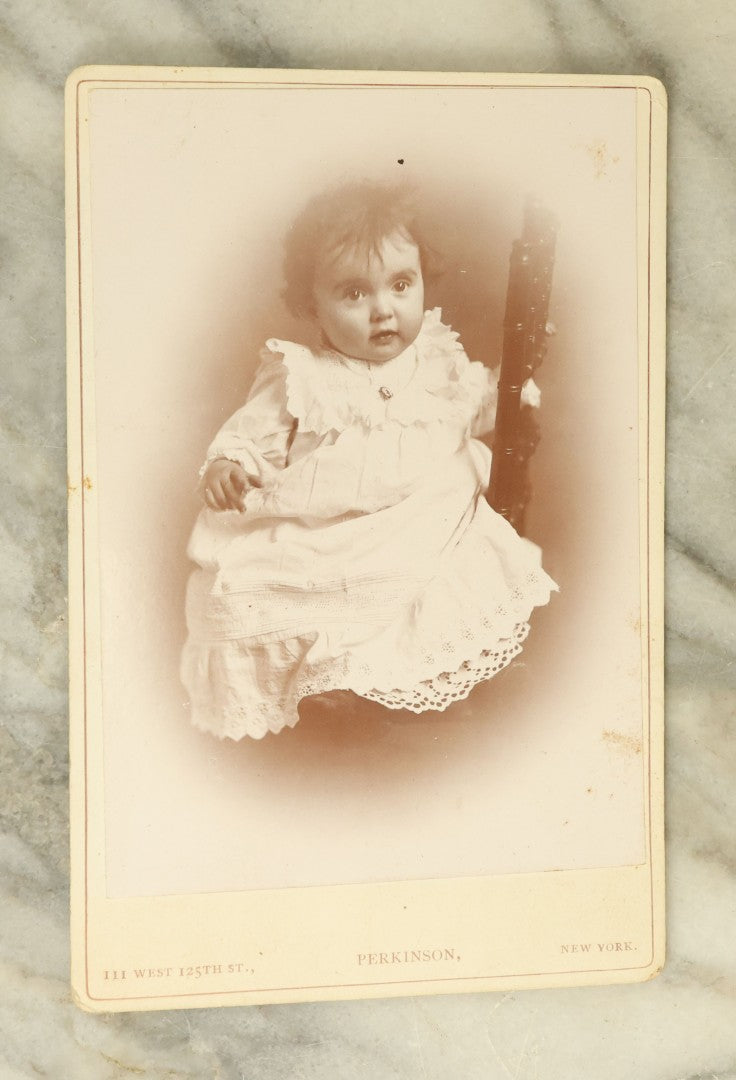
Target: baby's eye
401,285
353,293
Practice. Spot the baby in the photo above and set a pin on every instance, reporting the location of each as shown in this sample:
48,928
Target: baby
345,543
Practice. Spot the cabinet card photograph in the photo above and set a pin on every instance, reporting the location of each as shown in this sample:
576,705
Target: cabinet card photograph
366,399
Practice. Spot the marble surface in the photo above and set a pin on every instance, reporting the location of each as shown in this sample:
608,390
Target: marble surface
683,1024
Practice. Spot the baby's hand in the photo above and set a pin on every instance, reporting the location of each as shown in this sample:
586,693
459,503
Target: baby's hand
224,485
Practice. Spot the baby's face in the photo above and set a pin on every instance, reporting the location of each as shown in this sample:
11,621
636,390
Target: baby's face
371,306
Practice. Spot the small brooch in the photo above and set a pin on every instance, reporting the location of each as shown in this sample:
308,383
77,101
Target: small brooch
385,392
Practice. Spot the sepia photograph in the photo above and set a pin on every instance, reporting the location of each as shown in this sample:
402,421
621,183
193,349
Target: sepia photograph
362,446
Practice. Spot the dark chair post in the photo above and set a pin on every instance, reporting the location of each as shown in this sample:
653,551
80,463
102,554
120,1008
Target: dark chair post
526,329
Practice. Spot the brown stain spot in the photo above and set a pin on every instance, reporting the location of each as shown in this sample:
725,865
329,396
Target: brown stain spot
629,743
601,158
71,489
589,791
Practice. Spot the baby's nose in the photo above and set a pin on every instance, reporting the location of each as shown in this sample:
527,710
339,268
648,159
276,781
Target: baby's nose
382,307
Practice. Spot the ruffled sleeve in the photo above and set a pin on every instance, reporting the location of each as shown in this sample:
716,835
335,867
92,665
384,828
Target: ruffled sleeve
258,435
322,392
467,385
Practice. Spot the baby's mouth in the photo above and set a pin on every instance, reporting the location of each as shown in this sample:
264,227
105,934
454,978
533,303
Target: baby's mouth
384,336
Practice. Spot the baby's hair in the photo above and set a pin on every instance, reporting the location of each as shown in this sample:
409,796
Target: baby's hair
356,216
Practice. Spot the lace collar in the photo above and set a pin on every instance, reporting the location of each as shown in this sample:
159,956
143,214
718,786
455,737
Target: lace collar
330,392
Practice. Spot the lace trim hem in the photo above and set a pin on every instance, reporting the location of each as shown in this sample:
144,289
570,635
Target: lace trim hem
263,717
444,690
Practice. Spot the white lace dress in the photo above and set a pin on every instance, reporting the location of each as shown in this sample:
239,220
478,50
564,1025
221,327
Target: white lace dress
368,559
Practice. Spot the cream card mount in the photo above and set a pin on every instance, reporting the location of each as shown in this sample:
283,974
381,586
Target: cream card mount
306,766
